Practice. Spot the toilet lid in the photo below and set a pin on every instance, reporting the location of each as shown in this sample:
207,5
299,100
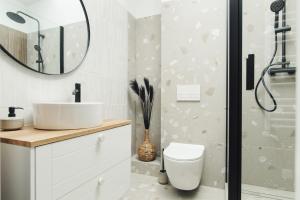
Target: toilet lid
184,152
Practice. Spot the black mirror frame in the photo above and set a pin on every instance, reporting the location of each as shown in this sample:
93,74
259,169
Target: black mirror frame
83,59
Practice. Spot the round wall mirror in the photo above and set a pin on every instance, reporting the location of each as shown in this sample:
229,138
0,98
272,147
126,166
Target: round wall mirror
47,36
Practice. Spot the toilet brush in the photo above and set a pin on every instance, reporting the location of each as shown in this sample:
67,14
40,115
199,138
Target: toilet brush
163,177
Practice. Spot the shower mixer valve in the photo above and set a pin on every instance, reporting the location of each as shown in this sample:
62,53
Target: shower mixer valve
283,29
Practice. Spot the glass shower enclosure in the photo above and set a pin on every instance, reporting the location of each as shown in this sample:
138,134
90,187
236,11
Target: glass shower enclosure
261,99
269,99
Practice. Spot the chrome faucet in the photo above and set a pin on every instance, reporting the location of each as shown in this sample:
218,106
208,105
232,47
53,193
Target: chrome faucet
77,92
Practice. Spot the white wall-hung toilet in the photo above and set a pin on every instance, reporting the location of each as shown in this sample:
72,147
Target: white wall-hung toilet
184,165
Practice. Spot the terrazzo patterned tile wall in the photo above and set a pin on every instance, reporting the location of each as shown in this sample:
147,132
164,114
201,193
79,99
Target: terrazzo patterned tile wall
74,51
145,40
194,52
148,64
268,139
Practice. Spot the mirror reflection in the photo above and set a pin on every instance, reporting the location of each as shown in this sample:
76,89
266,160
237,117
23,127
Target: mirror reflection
43,35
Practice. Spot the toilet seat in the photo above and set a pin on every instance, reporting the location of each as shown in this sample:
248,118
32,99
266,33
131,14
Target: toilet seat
184,152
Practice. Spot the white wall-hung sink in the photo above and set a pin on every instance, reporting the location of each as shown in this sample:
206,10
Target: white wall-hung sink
63,116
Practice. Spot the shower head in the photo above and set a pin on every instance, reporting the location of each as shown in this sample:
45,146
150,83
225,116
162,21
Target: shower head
16,17
277,6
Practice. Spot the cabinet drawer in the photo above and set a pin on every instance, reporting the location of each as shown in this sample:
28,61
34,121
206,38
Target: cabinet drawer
62,167
94,152
110,185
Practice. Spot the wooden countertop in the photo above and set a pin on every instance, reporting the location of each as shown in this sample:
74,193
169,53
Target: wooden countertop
30,137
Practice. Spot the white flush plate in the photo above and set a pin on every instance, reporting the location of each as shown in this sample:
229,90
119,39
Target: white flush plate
188,92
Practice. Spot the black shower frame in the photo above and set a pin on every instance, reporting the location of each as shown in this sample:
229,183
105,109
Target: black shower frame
234,99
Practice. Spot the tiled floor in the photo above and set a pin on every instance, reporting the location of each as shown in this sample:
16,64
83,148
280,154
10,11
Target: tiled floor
251,192
147,188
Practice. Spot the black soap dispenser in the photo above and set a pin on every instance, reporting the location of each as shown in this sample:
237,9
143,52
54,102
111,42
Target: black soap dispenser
12,122
12,111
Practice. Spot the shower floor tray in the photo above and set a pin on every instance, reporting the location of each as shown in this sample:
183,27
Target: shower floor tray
251,192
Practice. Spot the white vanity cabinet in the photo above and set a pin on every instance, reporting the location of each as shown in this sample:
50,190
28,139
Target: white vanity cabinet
91,167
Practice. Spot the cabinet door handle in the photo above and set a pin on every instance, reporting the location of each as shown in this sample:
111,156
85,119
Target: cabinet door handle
100,181
100,138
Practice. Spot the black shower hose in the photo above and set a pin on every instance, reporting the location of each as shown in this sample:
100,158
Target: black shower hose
262,80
